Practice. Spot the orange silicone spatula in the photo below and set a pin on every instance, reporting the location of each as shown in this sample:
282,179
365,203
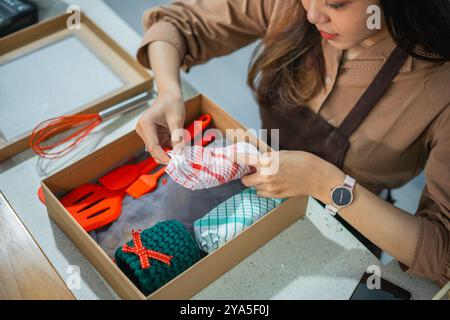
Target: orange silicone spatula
145,184
123,176
93,206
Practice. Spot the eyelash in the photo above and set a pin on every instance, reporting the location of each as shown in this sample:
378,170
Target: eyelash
336,6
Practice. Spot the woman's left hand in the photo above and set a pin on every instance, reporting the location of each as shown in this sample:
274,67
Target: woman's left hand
288,174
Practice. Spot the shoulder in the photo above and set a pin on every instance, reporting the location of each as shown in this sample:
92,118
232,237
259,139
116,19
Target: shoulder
439,132
281,12
433,78
432,83
280,9
438,82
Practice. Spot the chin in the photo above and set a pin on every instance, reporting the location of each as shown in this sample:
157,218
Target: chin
338,45
341,45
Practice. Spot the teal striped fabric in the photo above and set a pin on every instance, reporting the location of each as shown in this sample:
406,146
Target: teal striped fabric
231,217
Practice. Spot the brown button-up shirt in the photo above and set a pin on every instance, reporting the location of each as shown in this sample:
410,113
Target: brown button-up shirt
407,132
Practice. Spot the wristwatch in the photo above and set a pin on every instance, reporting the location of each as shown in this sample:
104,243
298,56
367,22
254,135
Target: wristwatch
341,196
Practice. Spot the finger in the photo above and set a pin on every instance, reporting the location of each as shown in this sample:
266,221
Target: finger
265,160
139,132
245,159
176,132
151,141
264,194
252,180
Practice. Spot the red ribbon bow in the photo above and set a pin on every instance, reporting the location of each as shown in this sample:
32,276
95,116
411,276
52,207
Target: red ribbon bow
143,253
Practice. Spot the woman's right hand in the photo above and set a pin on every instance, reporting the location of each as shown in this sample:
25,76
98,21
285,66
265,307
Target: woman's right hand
158,125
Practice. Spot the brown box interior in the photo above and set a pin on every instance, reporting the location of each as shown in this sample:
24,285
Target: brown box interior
136,79
207,269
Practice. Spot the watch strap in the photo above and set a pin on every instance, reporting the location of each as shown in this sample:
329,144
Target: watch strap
331,209
349,182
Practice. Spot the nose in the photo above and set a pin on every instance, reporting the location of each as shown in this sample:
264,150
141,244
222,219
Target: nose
316,15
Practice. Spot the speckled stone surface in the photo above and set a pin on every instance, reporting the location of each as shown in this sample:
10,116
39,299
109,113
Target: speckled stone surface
313,259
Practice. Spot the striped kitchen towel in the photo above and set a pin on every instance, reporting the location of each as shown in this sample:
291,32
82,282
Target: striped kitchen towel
197,167
231,217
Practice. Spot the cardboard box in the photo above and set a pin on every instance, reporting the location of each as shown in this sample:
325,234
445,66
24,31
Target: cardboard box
203,272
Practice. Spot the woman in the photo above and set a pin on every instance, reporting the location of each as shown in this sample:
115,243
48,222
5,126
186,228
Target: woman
313,78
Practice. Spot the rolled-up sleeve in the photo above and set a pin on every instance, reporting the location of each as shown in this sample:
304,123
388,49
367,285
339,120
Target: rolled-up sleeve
204,29
432,254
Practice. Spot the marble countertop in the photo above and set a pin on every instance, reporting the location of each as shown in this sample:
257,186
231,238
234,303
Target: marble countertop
315,258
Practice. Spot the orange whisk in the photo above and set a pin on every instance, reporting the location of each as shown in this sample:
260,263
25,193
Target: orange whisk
65,132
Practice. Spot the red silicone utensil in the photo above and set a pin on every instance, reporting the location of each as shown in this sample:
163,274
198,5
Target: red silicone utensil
93,206
206,121
41,195
146,183
123,176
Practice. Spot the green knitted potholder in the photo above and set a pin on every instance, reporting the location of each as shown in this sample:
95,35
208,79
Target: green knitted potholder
168,237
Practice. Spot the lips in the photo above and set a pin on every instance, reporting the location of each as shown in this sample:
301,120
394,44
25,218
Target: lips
328,36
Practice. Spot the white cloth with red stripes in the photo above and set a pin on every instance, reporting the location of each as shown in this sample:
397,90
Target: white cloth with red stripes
197,167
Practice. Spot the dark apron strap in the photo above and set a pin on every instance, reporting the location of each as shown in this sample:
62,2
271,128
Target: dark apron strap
366,103
374,92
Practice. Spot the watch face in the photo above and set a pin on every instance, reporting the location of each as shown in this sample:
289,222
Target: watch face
342,196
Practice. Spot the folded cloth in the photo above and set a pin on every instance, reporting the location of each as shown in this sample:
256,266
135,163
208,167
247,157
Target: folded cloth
197,167
157,255
231,217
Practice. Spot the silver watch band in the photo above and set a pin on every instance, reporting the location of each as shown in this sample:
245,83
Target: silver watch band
331,209
349,182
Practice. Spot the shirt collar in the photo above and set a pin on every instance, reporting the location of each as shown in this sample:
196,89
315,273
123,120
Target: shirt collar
377,53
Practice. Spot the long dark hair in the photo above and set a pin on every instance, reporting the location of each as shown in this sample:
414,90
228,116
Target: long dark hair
287,69
421,28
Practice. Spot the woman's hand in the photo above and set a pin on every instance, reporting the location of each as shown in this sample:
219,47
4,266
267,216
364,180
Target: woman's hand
158,125
288,174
